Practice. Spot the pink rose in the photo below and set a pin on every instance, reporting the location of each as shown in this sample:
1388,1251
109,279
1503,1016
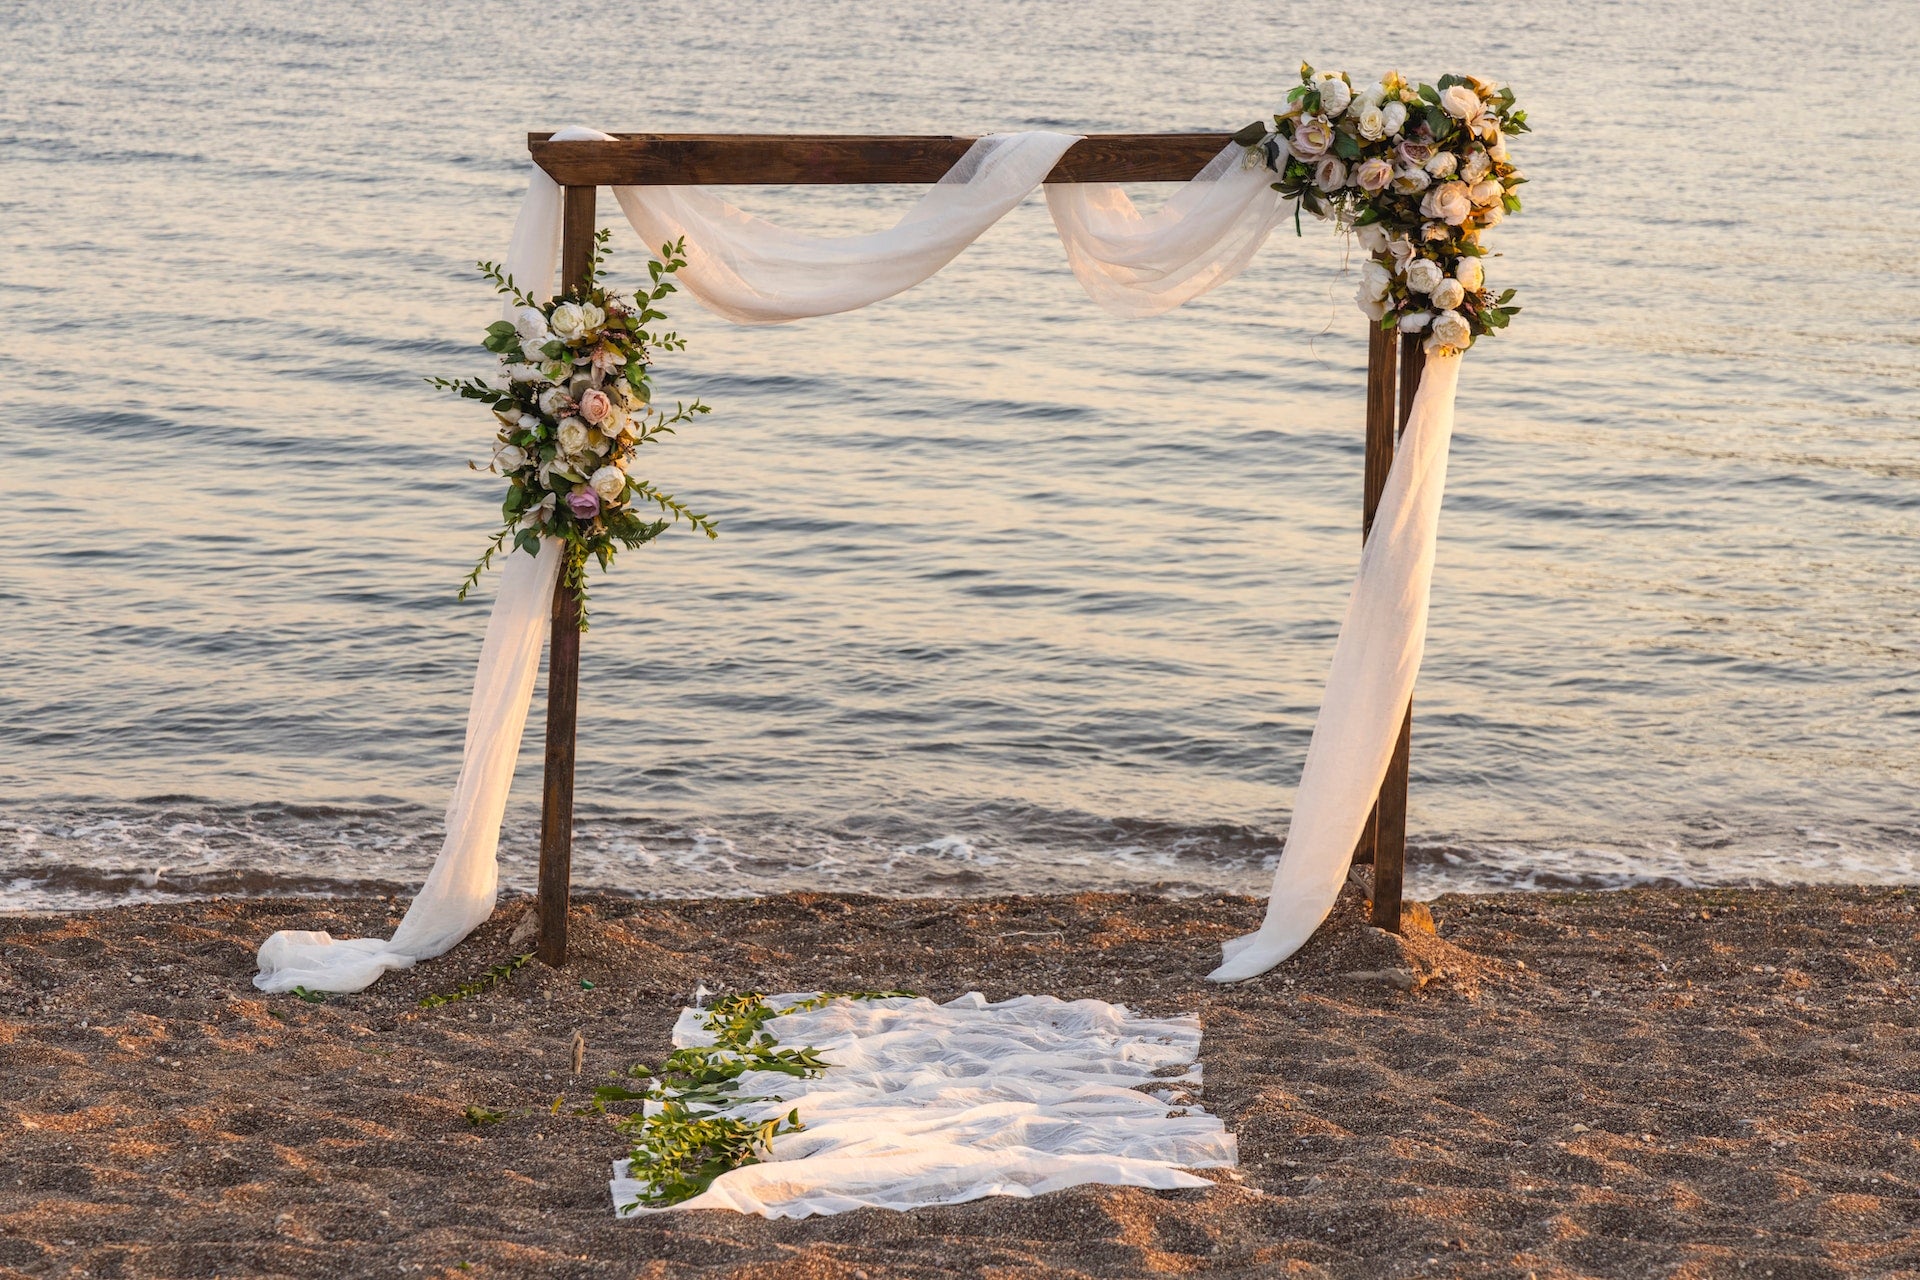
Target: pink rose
595,406
1311,138
1414,154
1330,173
584,503
1373,174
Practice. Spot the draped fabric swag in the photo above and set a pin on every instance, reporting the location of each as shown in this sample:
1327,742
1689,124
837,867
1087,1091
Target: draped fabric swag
753,272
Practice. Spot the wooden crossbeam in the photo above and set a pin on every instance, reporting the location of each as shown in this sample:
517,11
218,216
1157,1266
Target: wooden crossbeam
736,159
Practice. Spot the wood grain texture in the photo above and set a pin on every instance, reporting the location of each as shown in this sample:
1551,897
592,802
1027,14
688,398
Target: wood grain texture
563,656
1382,350
1390,811
736,159
1390,839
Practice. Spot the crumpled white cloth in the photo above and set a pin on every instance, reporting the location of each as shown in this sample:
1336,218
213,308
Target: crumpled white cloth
930,1103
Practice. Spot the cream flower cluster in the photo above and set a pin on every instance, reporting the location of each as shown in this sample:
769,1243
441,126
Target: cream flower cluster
575,409
1420,172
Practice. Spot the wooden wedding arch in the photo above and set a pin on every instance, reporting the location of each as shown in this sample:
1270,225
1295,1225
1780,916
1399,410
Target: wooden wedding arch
721,159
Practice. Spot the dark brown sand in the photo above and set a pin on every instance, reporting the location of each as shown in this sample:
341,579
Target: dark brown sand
1623,1084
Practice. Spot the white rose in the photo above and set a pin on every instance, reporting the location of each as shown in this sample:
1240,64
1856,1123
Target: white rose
1492,216
1486,193
1423,274
1468,272
1311,138
1330,174
1335,97
1476,167
1373,307
1450,330
532,328
592,316
569,322
609,483
1415,321
1441,164
573,436
1461,103
1373,236
553,400
1497,150
1449,202
1436,231
1374,279
1409,181
1394,115
1373,174
509,457
523,372
1448,294
1373,123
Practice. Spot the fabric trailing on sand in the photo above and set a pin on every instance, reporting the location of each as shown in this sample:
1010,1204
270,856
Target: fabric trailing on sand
927,1103
751,271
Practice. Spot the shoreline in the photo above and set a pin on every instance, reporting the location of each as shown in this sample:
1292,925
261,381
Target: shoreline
1609,1082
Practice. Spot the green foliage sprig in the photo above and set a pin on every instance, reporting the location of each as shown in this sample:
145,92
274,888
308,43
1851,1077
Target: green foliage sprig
576,406
688,1140
1420,172
492,978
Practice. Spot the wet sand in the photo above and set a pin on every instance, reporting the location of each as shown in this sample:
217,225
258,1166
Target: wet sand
1641,1083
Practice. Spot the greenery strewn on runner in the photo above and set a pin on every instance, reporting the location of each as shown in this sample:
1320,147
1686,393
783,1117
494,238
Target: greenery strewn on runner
684,1140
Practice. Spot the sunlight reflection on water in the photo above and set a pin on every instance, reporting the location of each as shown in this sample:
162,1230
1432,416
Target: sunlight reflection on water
1010,594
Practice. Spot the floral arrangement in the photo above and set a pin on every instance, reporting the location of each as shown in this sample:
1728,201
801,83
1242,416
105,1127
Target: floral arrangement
575,408
1419,172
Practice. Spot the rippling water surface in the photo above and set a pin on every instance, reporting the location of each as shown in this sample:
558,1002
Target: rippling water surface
1010,594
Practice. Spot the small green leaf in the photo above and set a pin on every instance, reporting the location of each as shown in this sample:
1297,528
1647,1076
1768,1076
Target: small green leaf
1253,133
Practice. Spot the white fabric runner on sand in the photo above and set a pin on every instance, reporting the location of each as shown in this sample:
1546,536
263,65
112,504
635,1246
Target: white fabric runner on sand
753,272
928,1103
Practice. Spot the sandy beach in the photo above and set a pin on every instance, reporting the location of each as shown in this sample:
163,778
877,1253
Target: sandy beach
1639,1083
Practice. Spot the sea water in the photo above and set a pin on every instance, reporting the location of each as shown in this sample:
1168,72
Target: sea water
1010,594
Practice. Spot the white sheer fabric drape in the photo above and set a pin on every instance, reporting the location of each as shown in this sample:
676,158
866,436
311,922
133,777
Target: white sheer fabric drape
1204,235
754,272
464,883
1375,663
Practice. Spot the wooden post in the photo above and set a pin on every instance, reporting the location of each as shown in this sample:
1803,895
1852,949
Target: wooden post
1381,352
563,654
1390,811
